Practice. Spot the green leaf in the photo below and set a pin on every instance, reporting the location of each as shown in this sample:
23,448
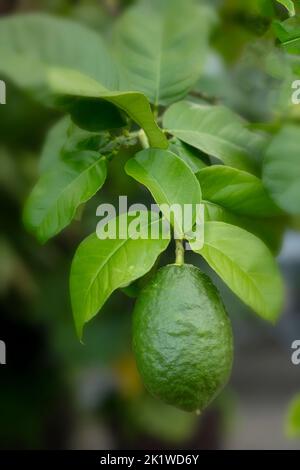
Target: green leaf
96,116
71,83
79,139
281,169
216,131
54,200
236,190
102,266
55,140
163,422
134,288
293,418
65,138
169,180
151,38
246,265
288,33
188,154
29,42
270,231
289,5
32,56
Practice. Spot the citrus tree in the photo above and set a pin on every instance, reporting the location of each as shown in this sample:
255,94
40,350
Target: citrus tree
143,89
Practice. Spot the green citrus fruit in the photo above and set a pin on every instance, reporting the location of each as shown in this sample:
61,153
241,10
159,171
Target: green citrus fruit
182,338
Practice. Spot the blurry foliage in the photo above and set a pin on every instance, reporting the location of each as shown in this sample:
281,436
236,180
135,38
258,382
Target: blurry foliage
166,423
244,71
293,418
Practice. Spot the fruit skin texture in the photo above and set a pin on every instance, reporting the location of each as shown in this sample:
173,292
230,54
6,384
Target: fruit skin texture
182,338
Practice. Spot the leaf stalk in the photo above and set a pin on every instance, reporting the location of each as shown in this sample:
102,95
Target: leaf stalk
179,253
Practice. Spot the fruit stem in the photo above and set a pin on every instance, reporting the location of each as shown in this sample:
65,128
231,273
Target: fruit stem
179,253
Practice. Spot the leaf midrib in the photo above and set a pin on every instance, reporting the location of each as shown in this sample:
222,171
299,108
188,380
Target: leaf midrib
291,41
161,188
159,61
106,261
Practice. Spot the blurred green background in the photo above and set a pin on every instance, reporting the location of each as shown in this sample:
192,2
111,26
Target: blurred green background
57,393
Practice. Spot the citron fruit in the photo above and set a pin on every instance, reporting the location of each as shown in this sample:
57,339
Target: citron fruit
182,338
